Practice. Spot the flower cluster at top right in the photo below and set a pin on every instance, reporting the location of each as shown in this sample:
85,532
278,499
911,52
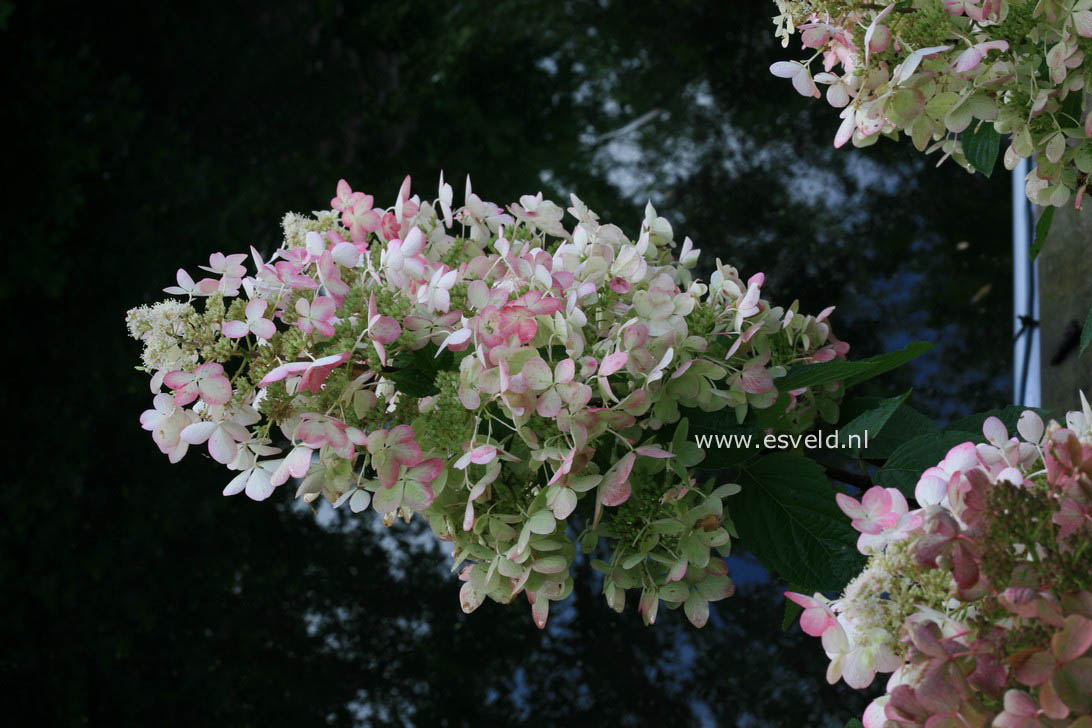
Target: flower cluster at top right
941,70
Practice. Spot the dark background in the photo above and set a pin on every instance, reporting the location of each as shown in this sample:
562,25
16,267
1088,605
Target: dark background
144,137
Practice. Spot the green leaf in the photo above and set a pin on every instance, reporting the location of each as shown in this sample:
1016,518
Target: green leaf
869,424
695,551
851,372
689,454
413,382
1071,107
1042,229
787,517
981,147
1086,335
903,469
1009,415
414,372
768,417
904,424
792,609
853,723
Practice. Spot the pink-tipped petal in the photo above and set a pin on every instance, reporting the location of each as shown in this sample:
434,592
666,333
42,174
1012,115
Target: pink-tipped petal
616,487
849,505
235,329
385,330
215,390
222,448
613,362
995,431
263,329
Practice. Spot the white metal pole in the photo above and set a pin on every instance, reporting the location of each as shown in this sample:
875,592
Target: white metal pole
1025,297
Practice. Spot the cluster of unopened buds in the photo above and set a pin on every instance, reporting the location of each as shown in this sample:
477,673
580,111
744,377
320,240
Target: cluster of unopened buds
979,602
938,69
521,384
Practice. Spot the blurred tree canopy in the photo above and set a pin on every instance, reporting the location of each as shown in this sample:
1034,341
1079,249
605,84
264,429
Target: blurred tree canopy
143,138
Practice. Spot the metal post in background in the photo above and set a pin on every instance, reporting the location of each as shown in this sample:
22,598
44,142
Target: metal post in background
1025,297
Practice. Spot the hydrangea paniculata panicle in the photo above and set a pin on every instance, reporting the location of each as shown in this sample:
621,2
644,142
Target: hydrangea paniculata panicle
937,70
513,379
979,602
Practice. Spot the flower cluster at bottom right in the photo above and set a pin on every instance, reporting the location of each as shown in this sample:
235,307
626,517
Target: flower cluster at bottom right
979,602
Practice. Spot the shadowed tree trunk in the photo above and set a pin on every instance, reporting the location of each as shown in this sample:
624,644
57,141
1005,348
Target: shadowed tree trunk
1065,283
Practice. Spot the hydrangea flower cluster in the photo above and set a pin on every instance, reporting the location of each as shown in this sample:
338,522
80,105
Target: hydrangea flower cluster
938,69
979,603
517,382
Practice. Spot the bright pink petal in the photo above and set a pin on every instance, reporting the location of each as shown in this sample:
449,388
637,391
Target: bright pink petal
817,620
286,370
177,379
